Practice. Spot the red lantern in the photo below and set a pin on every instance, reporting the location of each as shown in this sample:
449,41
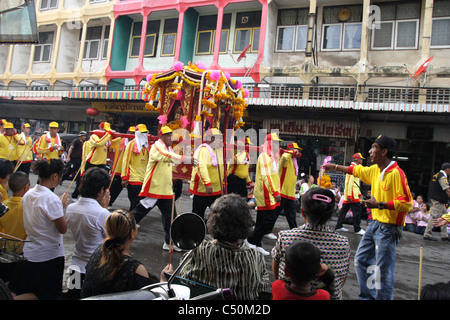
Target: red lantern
92,112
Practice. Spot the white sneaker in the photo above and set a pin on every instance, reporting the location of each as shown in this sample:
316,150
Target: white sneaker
261,249
167,247
342,229
360,232
270,236
249,244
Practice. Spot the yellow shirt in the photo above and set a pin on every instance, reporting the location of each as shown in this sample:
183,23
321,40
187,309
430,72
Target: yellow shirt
98,149
267,183
12,222
4,193
239,166
351,189
288,178
392,188
24,151
158,176
8,149
134,164
205,173
45,150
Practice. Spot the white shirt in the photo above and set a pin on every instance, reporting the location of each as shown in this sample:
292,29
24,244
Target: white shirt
86,220
40,208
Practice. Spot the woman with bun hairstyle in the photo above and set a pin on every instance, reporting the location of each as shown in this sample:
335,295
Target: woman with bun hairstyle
41,275
111,268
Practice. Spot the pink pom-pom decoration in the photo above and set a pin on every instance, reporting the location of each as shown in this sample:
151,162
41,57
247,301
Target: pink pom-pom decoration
162,119
178,66
238,84
179,95
245,93
201,65
214,75
149,77
227,75
185,122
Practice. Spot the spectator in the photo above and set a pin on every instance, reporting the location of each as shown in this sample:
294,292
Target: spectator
227,261
410,219
422,218
86,220
317,210
6,168
41,275
437,291
111,268
302,266
12,222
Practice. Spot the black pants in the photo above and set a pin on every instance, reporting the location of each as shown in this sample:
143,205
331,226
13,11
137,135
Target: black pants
115,189
290,211
165,206
356,211
133,194
200,203
237,185
265,220
25,167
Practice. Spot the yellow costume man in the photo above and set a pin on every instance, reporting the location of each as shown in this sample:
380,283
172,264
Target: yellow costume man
97,149
24,152
10,142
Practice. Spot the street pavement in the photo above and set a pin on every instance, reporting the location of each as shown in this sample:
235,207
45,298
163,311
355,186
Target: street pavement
147,248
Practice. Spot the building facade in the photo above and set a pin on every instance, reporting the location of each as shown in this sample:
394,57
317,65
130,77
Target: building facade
330,75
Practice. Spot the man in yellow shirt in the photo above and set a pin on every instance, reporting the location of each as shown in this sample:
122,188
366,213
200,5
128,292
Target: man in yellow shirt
390,201
238,177
134,164
207,178
24,152
288,172
157,189
50,144
97,148
10,142
266,191
352,195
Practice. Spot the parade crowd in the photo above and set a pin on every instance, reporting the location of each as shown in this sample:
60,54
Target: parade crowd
309,262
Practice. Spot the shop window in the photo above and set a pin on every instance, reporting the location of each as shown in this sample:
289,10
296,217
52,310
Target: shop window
440,32
292,30
48,5
398,28
342,27
247,31
43,50
207,33
169,37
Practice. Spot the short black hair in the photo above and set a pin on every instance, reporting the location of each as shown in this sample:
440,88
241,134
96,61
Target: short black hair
17,181
302,261
318,211
92,182
45,168
6,168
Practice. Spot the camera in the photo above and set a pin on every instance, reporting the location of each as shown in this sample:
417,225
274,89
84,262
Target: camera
3,209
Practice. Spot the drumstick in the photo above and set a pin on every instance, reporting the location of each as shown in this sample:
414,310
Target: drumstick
74,179
420,273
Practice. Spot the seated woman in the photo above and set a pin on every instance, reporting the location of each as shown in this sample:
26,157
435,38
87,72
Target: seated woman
227,261
111,268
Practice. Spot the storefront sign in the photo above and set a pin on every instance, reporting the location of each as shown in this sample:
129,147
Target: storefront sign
334,129
125,106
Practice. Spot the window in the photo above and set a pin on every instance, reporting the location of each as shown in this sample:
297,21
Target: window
247,31
43,50
92,43
151,39
169,37
49,4
342,28
207,34
399,26
292,30
440,32
105,42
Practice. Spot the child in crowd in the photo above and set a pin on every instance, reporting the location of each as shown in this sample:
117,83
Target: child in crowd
422,218
302,266
12,222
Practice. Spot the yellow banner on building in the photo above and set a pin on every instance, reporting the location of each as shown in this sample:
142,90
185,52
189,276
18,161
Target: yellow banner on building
124,106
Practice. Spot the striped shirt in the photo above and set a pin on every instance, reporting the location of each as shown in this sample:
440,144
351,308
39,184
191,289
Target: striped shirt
335,250
222,265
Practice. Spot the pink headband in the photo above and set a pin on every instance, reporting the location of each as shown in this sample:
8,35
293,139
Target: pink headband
321,197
